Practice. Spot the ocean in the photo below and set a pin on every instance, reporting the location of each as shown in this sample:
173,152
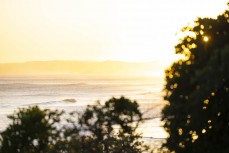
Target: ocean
72,93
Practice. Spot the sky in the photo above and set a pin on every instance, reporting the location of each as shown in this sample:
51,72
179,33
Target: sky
96,30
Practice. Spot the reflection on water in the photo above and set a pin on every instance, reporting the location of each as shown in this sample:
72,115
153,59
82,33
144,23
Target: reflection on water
74,93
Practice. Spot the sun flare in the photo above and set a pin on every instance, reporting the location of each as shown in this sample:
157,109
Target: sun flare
206,39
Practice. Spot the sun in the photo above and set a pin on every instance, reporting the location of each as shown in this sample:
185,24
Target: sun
206,39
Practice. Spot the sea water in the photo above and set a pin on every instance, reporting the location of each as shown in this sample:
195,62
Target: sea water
72,93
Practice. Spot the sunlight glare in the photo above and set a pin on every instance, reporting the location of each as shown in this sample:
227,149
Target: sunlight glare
96,30
206,39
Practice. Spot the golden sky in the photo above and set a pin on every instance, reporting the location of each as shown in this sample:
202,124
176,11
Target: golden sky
126,30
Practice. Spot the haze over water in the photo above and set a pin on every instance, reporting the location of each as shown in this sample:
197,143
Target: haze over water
72,93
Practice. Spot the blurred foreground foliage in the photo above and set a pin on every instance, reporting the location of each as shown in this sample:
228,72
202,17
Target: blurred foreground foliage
197,89
31,130
108,128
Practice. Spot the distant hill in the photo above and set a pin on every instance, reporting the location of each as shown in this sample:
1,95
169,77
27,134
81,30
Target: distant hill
79,67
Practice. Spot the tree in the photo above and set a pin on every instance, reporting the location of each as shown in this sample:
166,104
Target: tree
197,89
32,131
109,128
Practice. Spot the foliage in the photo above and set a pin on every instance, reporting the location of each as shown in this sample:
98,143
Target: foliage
197,89
109,128
32,131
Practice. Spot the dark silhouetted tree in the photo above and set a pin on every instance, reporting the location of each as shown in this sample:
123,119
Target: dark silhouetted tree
32,131
109,128
197,89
